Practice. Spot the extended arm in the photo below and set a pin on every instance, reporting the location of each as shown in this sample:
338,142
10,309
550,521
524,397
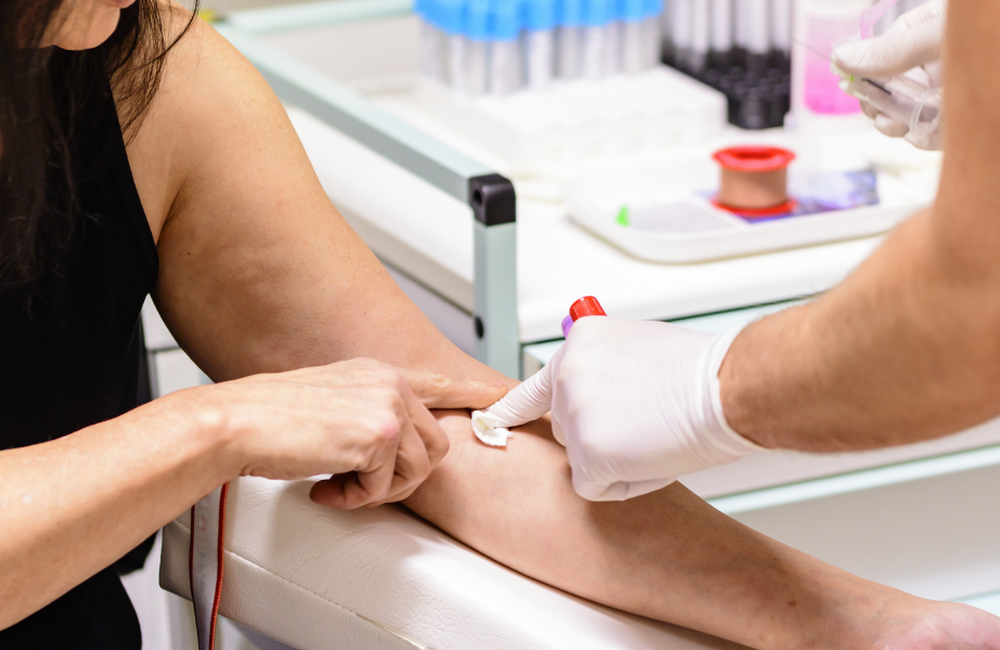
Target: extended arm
260,273
908,347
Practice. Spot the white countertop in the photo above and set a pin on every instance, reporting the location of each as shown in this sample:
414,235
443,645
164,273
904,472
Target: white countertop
428,234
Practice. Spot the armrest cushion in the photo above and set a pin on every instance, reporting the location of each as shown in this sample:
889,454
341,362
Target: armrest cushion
309,576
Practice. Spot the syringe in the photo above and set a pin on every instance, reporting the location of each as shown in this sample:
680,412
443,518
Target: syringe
901,99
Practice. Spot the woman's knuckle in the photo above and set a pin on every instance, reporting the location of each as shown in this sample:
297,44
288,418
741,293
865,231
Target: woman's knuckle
383,373
394,402
388,430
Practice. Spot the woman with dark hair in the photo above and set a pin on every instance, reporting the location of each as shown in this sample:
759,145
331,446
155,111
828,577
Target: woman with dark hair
89,172
140,153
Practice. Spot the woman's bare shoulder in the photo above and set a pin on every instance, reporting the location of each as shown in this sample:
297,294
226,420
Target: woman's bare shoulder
208,93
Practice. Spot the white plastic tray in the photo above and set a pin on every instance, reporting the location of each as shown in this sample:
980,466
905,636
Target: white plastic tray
678,224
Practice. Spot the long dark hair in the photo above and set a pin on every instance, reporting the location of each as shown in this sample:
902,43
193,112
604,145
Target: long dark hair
38,202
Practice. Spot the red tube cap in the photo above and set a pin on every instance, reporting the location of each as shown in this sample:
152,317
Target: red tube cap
586,306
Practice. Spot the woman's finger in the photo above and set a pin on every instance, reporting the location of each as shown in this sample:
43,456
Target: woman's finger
439,392
331,491
374,482
433,437
365,485
412,465
402,496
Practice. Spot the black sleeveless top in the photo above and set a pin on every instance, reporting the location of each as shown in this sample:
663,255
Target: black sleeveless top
70,356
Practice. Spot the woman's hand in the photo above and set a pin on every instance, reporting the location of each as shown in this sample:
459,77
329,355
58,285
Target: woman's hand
362,421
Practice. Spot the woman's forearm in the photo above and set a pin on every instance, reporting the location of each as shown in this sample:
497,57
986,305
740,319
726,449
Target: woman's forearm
667,555
72,506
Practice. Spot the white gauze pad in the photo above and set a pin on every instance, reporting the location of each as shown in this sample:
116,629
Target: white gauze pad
487,429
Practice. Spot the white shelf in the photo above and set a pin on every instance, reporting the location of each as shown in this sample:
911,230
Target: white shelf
866,479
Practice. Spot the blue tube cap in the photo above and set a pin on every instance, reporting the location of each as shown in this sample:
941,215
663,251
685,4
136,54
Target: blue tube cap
597,13
506,16
632,10
569,13
448,15
654,8
477,20
539,15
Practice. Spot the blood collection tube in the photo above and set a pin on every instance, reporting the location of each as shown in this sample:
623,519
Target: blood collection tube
598,38
633,45
539,43
586,306
652,34
450,17
506,71
569,39
722,33
477,49
701,35
781,29
433,40
757,33
681,17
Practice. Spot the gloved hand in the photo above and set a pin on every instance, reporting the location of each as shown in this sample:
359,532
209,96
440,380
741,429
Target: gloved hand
912,45
636,403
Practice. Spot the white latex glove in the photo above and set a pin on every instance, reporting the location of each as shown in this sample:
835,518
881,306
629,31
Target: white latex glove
636,403
912,45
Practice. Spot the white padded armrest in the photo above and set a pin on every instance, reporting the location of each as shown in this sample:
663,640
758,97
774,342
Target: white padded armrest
317,579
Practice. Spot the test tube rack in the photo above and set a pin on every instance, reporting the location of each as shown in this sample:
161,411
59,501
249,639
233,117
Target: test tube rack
757,87
739,47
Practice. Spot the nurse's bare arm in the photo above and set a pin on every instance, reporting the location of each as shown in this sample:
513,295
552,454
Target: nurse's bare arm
908,347
259,272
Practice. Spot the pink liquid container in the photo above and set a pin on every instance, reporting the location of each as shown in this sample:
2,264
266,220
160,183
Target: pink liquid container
818,25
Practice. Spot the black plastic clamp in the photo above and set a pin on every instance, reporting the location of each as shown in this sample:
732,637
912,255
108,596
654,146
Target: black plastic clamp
492,199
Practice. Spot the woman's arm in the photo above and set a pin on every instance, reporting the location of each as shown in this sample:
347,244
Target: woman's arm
73,506
671,556
260,273
70,507
908,347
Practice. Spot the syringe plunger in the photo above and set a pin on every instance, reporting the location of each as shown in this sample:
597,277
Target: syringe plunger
901,99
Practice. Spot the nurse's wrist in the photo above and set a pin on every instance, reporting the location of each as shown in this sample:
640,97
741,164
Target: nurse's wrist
734,395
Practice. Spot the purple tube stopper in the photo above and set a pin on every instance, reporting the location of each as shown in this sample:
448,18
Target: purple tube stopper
567,323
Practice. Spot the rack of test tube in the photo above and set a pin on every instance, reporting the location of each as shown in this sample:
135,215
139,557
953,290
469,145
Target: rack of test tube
549,83
739,47
743,48
500,46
